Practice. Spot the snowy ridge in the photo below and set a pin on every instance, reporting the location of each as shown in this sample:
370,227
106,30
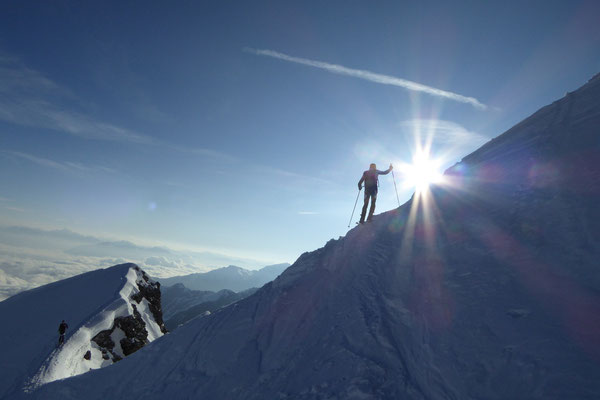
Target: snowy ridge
487,289
69,360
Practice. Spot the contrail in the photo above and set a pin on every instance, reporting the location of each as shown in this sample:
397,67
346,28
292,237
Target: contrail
370,76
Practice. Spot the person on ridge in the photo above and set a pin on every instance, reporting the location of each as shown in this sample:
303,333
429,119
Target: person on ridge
61,330
371,180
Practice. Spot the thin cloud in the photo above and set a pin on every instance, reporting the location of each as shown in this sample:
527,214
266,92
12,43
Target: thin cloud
203,152
292,175
44,162
371,76
16,77
28,98
62,166
17,209
41,113
446,134
448,140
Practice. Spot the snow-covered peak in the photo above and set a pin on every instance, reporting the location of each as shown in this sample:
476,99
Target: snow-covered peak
236,270
129,322
110,313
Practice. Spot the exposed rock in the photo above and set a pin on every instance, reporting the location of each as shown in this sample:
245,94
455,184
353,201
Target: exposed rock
106,344
135,332
133,326
136,335
151,292
122,322
104,340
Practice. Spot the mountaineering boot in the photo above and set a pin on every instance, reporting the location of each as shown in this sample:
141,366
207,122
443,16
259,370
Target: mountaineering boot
363,213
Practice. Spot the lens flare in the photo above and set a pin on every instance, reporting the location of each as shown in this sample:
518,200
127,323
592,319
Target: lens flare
422,172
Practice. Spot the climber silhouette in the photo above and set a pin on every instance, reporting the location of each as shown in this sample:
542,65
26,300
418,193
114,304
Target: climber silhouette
61,330
371,180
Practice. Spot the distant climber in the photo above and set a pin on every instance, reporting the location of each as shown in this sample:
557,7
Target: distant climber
62,328
371,180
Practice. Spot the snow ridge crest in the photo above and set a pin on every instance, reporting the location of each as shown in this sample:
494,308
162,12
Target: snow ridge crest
129,322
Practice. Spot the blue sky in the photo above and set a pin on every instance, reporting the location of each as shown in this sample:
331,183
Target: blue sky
210,126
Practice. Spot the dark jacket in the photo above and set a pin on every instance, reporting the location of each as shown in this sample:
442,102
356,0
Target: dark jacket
62,328
371,177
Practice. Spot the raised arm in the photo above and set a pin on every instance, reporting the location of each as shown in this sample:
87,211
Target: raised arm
387,171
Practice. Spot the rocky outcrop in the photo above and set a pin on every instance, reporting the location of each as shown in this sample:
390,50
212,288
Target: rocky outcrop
150,291
129,317
130,331
136,335
134,329
105,342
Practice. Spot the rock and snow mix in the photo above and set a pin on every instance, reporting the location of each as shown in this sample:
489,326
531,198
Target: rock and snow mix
111,313
120,329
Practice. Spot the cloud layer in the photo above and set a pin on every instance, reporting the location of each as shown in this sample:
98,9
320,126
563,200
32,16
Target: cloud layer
371,76
31,257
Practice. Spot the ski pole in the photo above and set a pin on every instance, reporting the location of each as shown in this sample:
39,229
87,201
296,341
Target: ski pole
354,207
395,187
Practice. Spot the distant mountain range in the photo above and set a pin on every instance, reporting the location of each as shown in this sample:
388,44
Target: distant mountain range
232,278
181,304
177,298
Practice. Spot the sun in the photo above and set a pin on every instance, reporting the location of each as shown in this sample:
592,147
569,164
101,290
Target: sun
423,172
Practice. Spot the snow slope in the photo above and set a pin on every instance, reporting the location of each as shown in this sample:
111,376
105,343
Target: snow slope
90,303
487,289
